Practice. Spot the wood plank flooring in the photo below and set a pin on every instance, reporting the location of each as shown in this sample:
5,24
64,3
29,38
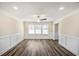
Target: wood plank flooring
38,47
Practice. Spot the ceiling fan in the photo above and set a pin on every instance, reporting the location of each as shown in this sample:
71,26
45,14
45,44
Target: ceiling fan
41,19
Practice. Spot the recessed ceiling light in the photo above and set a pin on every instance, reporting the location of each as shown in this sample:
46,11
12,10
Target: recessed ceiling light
61,8
15,8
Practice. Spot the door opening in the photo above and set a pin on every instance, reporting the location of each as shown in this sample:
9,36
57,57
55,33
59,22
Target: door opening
57,31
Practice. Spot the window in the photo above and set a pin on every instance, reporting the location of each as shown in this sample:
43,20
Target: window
31,29
44,29
38,29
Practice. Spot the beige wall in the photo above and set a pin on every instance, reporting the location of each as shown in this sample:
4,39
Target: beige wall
11,31
70,25
28,36
9,25
69,33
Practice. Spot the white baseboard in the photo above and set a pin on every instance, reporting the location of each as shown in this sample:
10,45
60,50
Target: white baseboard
70,42
9,41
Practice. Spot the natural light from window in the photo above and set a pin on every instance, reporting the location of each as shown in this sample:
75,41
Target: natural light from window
38,29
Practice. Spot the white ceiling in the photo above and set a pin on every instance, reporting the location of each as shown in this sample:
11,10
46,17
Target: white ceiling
26,10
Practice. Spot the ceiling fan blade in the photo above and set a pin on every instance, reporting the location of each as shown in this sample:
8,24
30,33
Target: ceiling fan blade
43,19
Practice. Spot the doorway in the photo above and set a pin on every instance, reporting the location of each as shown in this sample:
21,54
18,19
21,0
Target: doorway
57,31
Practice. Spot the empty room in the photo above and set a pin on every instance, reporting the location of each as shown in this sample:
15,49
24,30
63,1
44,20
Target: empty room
39,29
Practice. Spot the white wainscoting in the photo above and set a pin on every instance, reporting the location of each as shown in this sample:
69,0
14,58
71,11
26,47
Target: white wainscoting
70,42
38,36
9,41
51,34
55,35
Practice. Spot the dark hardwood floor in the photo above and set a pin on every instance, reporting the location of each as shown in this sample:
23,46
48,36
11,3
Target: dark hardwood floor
38,47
